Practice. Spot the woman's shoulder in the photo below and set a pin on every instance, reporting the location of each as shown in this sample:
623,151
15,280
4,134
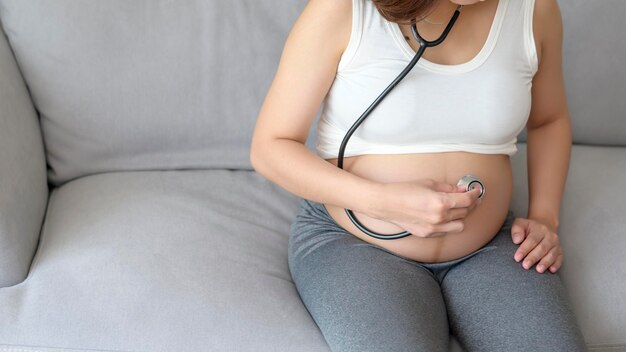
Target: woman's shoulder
547,25
331,20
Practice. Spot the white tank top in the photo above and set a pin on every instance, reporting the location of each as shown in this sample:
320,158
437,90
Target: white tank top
479,106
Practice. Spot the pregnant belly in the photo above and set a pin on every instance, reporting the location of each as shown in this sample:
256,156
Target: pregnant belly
481,224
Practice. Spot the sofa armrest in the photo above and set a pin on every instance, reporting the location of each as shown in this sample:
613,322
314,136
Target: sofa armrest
23,183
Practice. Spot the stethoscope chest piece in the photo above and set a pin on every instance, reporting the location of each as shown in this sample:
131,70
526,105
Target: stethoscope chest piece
470,182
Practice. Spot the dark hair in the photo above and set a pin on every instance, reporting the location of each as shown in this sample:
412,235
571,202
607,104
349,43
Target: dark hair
403,11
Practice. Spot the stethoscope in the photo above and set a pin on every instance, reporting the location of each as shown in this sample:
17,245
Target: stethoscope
467,181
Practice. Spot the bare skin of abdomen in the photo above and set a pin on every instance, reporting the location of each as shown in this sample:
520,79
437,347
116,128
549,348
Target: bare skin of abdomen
480,225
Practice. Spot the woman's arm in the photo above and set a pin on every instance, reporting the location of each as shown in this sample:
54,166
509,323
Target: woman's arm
549,135
305,73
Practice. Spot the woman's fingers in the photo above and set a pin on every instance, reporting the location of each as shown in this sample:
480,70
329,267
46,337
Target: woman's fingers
459,209
451,215
519,230
460,213
451,220
541,246
462,200
456,206
548,259
540,250
529,243
439,186
557,264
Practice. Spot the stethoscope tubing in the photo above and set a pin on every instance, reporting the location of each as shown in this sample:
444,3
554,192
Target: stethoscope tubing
423,45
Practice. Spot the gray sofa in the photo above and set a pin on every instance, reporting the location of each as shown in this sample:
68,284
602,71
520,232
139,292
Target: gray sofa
131,218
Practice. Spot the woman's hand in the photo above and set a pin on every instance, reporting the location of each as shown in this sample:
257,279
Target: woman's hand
426,207
540,243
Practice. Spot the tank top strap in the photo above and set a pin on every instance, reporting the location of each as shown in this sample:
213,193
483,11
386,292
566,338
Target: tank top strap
370,38
516,40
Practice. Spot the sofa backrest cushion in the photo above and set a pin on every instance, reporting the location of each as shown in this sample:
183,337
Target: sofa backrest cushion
156,84
147,84
594,45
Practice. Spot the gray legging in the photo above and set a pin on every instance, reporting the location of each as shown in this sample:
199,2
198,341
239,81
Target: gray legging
365,298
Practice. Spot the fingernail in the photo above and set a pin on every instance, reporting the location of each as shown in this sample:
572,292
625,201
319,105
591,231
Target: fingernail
526,265
540,268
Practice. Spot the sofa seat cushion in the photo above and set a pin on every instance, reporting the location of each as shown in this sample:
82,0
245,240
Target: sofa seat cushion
192,260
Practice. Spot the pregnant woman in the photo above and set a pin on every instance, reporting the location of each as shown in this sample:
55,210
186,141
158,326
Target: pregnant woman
466,267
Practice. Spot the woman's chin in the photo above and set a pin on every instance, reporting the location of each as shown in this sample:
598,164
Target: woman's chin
465,2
